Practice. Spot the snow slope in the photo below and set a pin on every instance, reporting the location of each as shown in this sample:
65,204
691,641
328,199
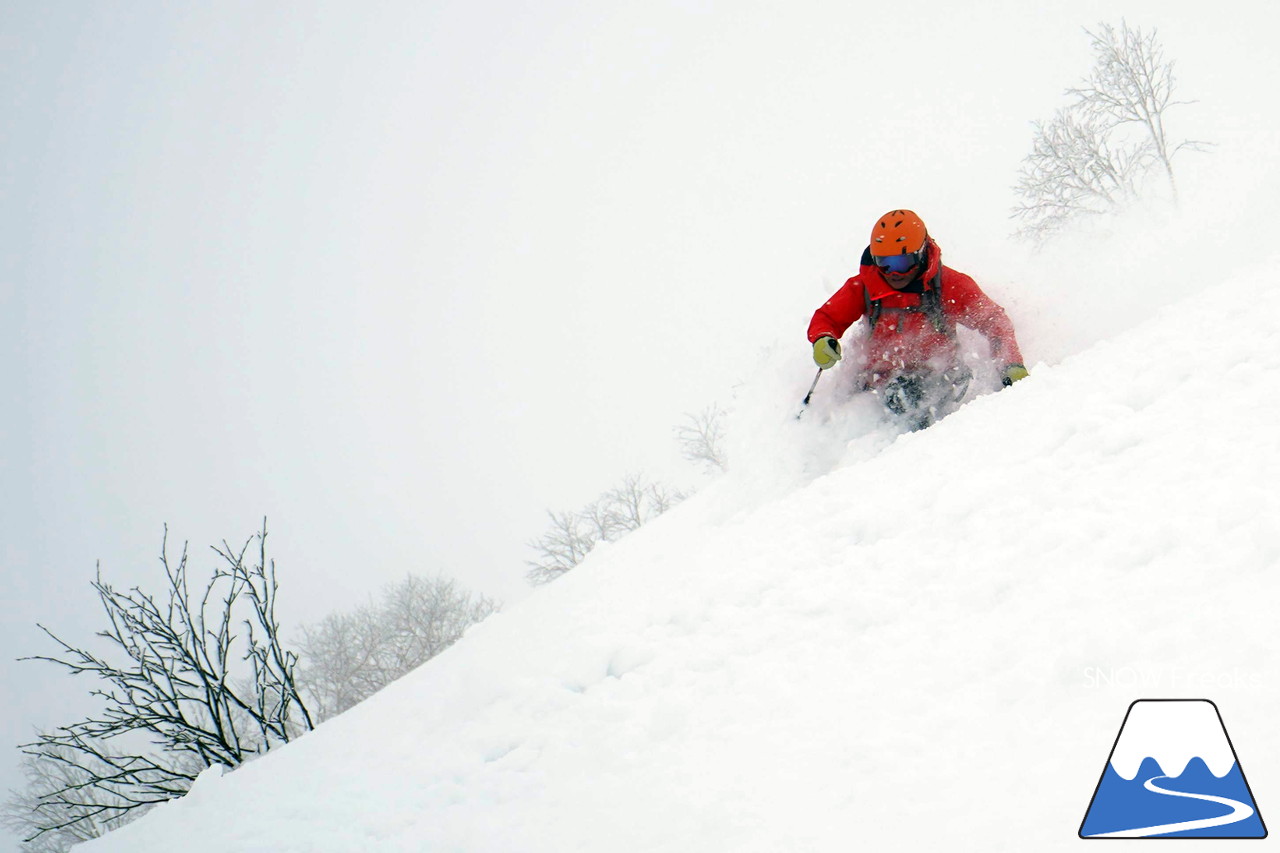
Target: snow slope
854,641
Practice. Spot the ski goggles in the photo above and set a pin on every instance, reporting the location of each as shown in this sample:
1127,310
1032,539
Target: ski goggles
897,263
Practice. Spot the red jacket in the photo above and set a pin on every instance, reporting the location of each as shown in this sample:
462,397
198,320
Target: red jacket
909,339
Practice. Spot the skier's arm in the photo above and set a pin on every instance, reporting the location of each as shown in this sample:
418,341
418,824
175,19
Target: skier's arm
971,307
838,313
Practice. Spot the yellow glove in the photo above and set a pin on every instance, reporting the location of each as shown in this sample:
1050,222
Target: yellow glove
1013,373
826,352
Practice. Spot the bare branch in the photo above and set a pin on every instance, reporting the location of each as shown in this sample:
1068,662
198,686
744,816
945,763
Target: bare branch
174,677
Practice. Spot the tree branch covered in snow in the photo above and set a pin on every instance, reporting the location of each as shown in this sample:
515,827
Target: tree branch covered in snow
1085,161
1074,169
571,536
701,439
203,676
347,657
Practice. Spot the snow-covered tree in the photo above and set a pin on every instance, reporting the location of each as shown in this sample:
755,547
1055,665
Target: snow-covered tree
701,439
347,657
1092,157
571,535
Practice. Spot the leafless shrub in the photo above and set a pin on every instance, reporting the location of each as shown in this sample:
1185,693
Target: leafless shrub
203,677
59,806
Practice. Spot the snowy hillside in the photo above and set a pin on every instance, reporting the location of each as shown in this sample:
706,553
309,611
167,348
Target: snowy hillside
854,641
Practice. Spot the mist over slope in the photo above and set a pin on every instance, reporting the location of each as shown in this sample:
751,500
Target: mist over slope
854,638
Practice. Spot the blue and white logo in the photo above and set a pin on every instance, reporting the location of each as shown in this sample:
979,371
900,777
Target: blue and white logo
1172,773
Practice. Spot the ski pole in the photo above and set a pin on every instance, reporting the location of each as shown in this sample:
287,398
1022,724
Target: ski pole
811,387
805,401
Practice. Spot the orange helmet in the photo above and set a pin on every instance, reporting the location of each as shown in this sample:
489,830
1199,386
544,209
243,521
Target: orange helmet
898,232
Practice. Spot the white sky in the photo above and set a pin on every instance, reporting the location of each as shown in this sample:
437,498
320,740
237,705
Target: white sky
401,276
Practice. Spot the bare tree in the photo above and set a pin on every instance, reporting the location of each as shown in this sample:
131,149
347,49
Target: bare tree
572,535
1131,83
349,657
342,661
1074,169
1093,155
428,615
566,543
633,502
60,806
701,439
203,676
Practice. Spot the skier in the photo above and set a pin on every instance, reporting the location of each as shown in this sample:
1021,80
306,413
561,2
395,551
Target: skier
912,303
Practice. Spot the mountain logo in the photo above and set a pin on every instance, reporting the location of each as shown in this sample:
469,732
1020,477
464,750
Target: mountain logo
1172,773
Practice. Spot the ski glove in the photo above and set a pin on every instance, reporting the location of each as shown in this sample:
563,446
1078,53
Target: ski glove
1013,373
826,352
